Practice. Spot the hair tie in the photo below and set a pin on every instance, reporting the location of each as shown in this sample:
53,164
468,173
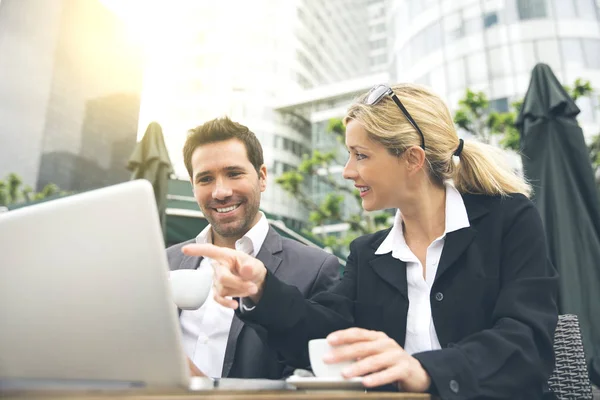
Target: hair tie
461,143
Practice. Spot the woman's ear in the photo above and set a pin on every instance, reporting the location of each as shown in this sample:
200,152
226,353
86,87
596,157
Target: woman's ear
415,158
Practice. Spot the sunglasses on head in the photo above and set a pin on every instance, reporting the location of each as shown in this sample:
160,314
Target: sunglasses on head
378,92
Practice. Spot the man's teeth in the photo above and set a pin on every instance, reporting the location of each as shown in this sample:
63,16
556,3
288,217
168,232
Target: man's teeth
224,210
363,189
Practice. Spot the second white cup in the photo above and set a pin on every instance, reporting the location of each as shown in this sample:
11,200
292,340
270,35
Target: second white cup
317,348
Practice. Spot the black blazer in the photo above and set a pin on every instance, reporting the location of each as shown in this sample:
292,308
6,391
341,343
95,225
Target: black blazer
494,304
309,270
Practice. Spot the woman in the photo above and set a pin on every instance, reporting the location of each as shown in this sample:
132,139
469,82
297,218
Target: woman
458,298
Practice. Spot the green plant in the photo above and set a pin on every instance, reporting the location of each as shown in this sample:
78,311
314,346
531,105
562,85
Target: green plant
328,210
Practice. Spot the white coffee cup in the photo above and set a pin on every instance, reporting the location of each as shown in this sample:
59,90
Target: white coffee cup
317,348
190,287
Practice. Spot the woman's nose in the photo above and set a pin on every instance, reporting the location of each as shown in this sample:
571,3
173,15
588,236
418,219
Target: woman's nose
349,171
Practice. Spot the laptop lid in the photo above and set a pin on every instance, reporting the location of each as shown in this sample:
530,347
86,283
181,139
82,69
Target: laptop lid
84,293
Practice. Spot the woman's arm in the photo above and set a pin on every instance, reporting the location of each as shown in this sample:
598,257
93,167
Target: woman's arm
281,309
292,321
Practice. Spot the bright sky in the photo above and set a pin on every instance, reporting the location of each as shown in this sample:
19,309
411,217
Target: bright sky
192,51
160,27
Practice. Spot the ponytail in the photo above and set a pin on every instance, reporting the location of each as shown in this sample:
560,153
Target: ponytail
483,169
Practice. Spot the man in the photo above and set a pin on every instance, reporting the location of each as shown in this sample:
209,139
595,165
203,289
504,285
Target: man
228,175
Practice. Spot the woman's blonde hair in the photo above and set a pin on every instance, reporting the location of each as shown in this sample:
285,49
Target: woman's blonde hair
482,169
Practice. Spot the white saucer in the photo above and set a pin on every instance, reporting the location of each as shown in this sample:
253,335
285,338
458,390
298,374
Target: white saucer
313,383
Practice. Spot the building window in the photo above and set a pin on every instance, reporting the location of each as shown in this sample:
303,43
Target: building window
490,19
378,44
473,25
565,9
588,113
378,60
572,52
453,27
379,28
456,74
424,80
498,59
427,41
438,80
476,69
415,8
586,9
303,81
547,51
523,56
499,105
531,9
591,49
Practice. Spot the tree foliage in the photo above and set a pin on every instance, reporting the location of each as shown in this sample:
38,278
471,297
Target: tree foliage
474,115
12,191
317,167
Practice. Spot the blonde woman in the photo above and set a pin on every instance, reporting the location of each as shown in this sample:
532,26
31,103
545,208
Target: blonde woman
457,298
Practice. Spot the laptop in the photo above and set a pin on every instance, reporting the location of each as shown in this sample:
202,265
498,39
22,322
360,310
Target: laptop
85,300
84,295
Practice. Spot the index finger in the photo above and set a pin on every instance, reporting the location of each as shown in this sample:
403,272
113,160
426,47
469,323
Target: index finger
221,254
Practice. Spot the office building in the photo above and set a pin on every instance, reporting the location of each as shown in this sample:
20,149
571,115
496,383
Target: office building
492,46
69,93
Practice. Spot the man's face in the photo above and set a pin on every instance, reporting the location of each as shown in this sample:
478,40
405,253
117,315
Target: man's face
227,187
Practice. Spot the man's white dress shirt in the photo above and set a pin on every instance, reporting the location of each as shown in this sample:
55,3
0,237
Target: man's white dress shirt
420,329
206,330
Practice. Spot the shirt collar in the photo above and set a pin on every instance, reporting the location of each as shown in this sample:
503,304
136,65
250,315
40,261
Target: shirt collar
456,218
250,243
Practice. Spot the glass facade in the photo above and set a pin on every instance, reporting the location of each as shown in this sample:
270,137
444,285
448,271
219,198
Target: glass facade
492,46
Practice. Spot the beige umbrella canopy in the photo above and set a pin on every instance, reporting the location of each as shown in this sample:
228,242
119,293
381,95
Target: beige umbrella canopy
150,160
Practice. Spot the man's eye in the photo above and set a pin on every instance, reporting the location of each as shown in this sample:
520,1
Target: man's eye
204,179
360,156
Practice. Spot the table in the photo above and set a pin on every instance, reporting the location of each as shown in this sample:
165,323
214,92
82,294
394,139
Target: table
217,395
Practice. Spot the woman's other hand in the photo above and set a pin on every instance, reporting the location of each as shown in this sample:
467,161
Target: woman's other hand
379,359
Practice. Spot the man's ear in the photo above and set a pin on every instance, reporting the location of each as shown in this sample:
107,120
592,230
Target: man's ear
262,177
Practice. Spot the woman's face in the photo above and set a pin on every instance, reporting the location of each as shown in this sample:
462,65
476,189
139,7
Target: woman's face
378,175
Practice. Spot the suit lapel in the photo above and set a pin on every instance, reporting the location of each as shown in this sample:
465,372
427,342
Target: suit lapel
458,242
234,332
190,262
270,247
391,270
267,254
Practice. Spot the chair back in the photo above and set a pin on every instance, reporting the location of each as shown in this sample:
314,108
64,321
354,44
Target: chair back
570,379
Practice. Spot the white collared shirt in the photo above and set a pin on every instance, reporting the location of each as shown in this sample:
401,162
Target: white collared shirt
420,329
205,331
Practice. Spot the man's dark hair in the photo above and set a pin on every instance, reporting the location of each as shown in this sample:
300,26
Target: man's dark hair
219,130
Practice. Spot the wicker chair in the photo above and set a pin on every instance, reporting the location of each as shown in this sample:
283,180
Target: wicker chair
570,379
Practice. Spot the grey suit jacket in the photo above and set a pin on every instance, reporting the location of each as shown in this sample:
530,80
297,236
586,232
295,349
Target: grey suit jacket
310,270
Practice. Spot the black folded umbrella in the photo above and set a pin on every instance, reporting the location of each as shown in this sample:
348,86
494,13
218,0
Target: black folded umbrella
556,162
